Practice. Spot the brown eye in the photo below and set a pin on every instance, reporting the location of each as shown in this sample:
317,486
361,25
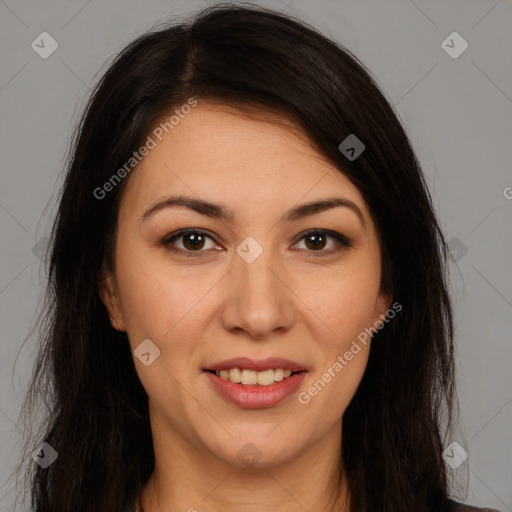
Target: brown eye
316,241
192,242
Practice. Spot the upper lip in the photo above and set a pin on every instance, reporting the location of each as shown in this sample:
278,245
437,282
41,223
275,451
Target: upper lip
259,365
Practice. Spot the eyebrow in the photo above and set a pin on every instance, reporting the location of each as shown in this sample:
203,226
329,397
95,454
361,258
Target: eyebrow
219,211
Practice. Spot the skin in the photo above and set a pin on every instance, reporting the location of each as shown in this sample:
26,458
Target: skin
199,311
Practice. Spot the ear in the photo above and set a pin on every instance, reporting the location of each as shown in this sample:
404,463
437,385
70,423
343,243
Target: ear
107,290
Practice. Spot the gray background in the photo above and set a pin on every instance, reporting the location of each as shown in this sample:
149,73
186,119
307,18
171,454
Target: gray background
458,113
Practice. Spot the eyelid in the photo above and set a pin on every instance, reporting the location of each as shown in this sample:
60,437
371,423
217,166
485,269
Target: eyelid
343,241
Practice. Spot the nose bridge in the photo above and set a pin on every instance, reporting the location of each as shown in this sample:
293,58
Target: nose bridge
255,268
257,300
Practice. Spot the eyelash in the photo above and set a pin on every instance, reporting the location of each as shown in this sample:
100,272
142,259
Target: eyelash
342,241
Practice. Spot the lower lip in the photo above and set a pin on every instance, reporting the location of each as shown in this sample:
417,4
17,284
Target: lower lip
256,397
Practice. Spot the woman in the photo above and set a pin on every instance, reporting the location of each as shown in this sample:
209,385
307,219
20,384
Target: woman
248,306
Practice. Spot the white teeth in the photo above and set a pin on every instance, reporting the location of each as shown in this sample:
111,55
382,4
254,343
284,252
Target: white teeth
249,377
265,378
235,375
252,377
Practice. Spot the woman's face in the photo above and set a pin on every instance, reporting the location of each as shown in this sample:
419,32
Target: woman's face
250,283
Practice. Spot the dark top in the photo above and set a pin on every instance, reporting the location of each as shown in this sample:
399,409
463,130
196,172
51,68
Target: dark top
460,507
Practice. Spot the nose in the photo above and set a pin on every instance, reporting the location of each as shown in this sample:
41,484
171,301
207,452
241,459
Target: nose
257,300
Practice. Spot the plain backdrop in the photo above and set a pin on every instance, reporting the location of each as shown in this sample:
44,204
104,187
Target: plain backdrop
457,110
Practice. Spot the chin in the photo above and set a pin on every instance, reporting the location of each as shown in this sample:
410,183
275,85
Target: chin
255,452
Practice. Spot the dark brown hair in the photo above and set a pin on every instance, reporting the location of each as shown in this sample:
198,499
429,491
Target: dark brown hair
242,56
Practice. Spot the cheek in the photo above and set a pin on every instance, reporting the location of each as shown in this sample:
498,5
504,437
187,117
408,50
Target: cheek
347,305
343,346
147,296
343,304
162,305
162,302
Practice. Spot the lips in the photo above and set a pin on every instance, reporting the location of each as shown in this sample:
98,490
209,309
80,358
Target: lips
255,397
258,365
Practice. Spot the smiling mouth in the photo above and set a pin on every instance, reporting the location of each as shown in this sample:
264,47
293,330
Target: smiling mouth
252,389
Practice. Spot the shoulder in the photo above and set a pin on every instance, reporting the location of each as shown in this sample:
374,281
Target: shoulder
460,507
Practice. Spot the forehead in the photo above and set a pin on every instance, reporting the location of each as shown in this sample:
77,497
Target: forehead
250,160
